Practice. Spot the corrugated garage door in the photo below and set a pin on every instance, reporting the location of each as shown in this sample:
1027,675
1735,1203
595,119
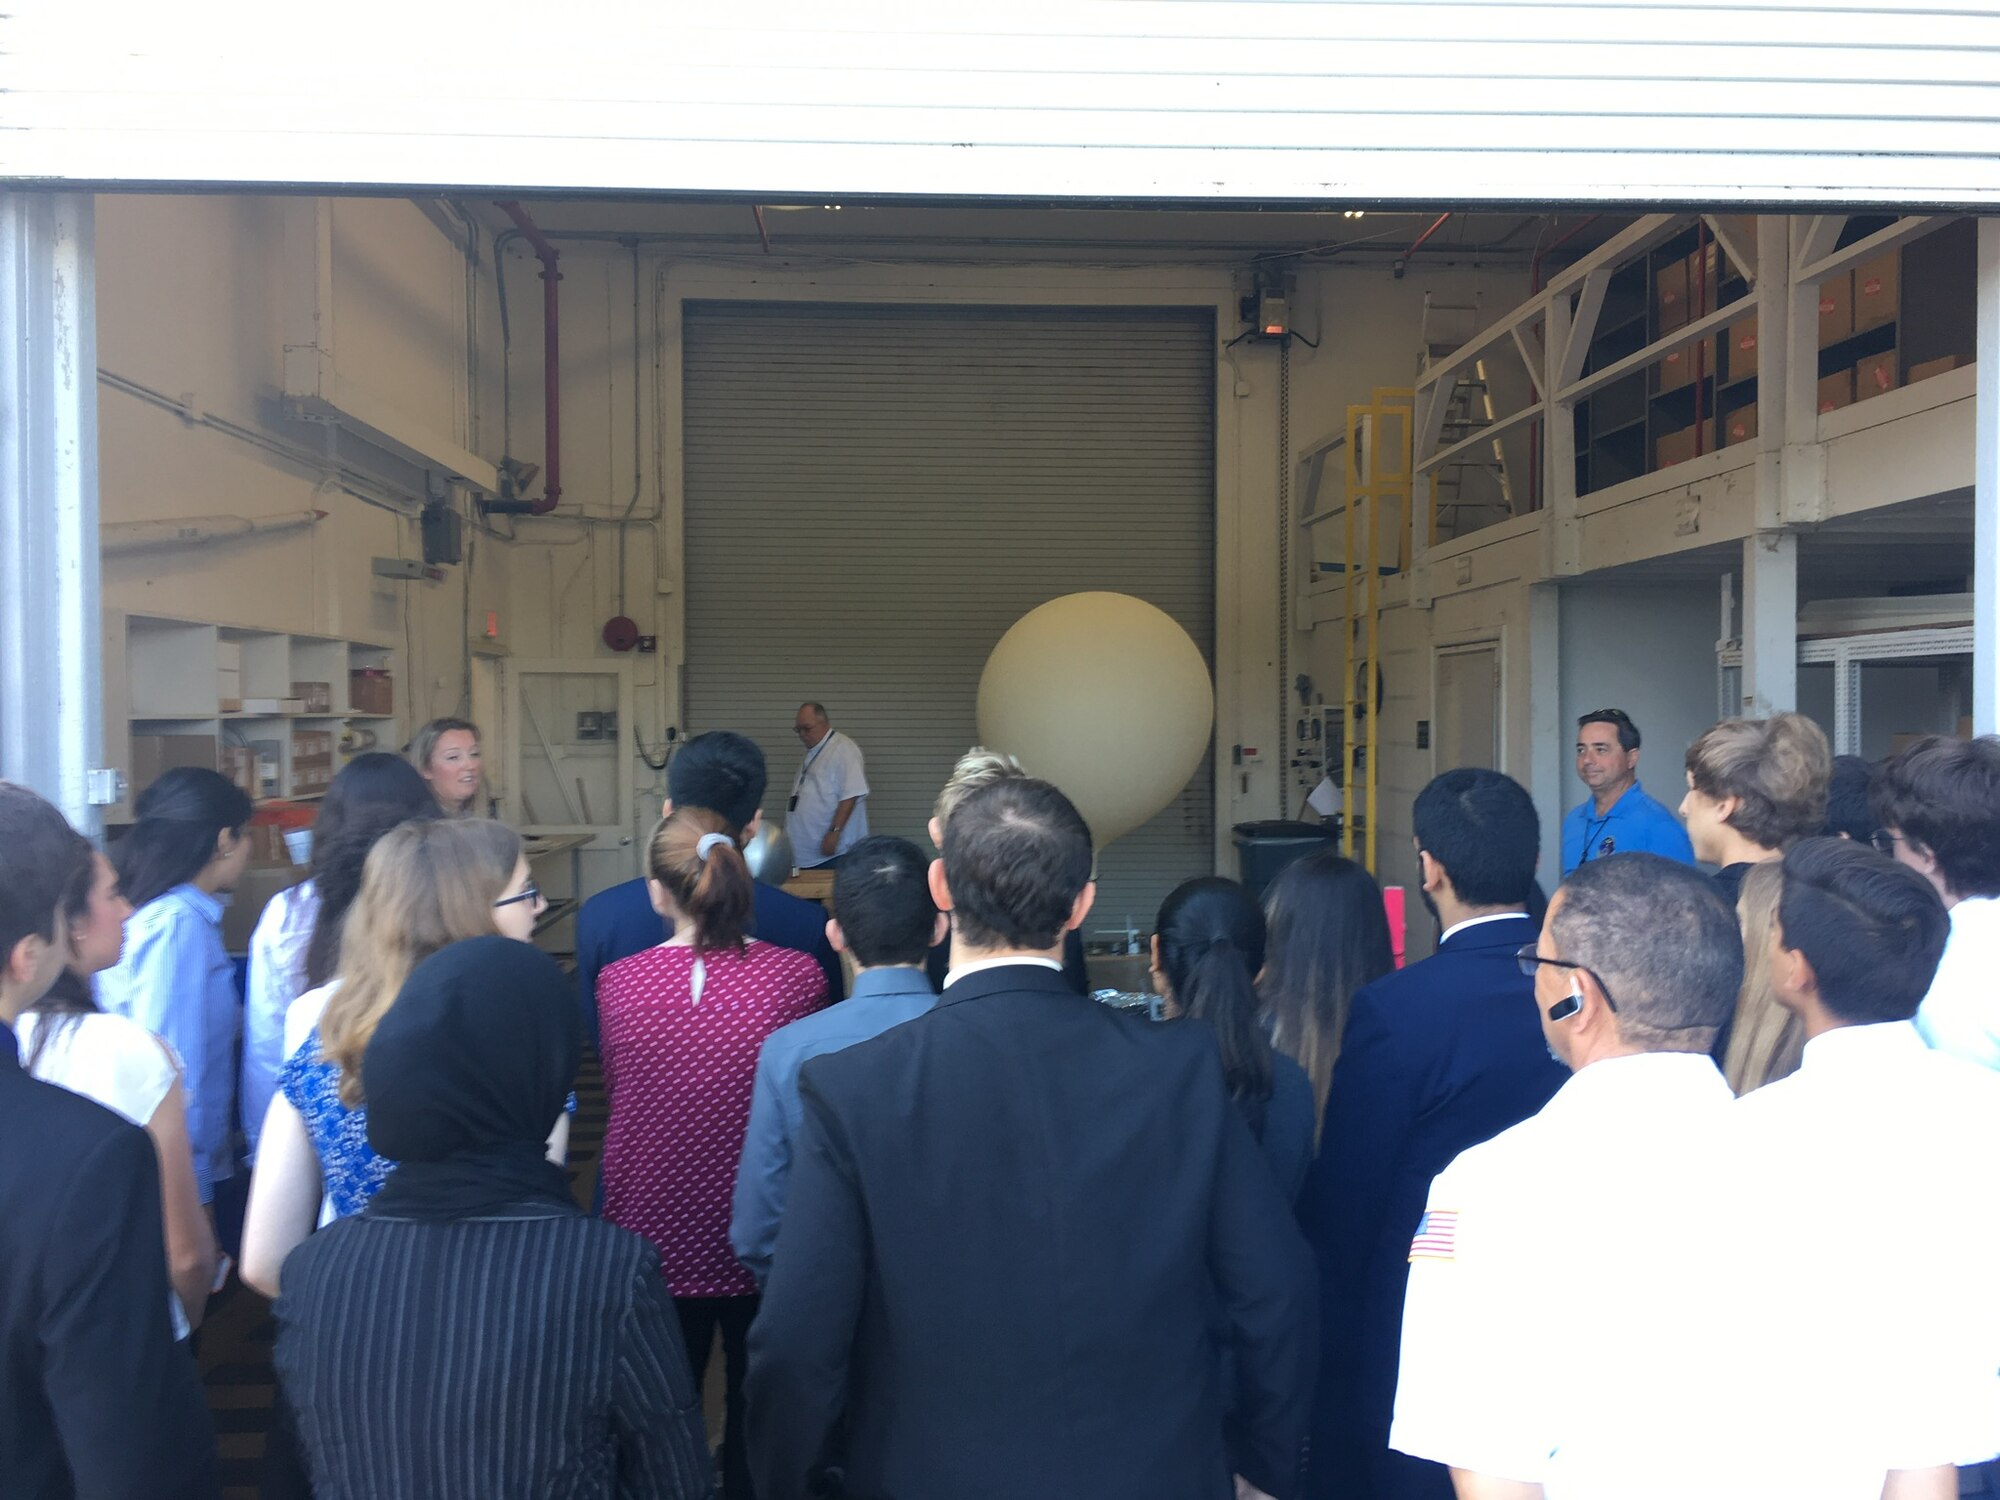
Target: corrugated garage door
875,493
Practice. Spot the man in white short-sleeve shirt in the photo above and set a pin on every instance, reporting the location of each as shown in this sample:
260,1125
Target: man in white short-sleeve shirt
1874,1164
1549,1320
829,813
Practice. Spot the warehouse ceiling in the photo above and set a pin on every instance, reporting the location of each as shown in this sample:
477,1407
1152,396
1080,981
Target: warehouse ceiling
903,231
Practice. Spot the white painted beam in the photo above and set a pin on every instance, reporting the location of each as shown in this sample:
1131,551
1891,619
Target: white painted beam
51,606
1986,490
1881,242
1770,623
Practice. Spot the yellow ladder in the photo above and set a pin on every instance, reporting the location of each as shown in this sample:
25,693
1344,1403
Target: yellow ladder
1380,476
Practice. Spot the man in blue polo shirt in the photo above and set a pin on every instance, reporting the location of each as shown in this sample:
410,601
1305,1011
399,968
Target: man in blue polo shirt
1619,818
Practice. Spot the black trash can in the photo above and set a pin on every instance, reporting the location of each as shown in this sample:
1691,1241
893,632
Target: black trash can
1263,849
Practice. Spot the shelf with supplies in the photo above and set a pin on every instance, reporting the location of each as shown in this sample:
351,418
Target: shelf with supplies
278,712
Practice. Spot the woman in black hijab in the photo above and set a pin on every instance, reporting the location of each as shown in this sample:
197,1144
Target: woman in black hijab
471,1333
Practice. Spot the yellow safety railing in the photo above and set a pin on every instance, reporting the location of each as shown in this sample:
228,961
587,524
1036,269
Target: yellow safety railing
1380,475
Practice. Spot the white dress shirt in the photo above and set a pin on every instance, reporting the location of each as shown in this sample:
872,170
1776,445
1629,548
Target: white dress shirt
1961,1014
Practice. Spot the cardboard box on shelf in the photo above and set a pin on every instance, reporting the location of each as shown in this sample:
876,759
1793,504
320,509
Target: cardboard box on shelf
1836,391
1740,425
254,890
1702,271
371,690
1932,367
1875,375
312,744
316,696
1674,448
239,764
1670,296
1836,308
1876,291
1682,366
155,754
1740,346
273,706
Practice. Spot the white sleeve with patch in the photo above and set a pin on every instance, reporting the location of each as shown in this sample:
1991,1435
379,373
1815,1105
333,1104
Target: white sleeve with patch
1471,1390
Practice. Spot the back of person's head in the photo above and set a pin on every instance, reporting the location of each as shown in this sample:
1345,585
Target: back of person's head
1660,940
693,857
722,771
1016,856
476,1055
1327,935
882,900
372,794
1847,814
1777,769
425,885
1481,826
180,818
1211,937
1766,1041
1618,721
1943,795
1873,930
45,869
976,768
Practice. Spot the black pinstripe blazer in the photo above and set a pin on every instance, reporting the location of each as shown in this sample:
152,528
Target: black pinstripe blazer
532,1354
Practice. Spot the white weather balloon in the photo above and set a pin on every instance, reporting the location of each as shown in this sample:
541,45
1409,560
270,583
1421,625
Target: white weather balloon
1105,696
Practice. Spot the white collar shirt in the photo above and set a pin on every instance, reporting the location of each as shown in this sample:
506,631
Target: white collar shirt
1544,1318
980,965
1961,1014
1470,922
1871,1168
830,773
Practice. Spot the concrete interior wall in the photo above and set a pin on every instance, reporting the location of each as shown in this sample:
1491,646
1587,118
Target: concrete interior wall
1650,650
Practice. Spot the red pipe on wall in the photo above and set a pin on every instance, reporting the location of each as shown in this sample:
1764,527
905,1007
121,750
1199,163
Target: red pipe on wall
551,367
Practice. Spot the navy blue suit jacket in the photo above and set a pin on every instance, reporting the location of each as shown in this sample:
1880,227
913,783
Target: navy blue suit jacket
620,922
1436,1057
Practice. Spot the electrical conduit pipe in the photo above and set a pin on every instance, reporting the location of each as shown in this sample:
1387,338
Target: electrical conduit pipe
551,373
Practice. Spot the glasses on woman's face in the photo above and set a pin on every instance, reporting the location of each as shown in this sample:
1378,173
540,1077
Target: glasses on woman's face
1885,842
1530,960
529,892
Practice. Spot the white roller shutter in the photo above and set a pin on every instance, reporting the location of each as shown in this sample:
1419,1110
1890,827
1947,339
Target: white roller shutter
1453,102
875,493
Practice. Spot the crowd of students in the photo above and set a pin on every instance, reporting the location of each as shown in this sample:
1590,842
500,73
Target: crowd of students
1493,1223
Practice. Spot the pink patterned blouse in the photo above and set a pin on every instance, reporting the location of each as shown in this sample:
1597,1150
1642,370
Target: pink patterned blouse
678,1072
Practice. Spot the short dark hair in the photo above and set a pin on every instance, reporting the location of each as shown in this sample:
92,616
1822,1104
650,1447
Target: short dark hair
1481,826
45,867
882,900
1872,929
1945,795
1016,856
1663,942
1847,813
1618,719
722,771
180,817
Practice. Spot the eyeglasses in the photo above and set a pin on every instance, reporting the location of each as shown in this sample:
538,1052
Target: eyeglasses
1529,960
528,892
1885,842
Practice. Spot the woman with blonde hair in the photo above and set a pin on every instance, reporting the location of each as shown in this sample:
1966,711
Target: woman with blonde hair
446,754
1755,788
680,1027
424,886
1766,1041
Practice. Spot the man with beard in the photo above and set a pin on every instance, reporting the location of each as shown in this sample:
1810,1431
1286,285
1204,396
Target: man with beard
1436,1057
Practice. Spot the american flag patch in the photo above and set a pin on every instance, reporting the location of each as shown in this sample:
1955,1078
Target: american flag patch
1437,1235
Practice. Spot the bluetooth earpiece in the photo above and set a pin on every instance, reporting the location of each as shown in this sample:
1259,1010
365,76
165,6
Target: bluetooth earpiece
1569,1005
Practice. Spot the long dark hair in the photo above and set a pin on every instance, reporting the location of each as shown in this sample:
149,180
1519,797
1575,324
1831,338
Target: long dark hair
71,996
373,794
180,817
1211,947
1328,937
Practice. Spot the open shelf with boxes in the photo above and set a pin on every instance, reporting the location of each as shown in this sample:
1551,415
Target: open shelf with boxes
275,711
1899,318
